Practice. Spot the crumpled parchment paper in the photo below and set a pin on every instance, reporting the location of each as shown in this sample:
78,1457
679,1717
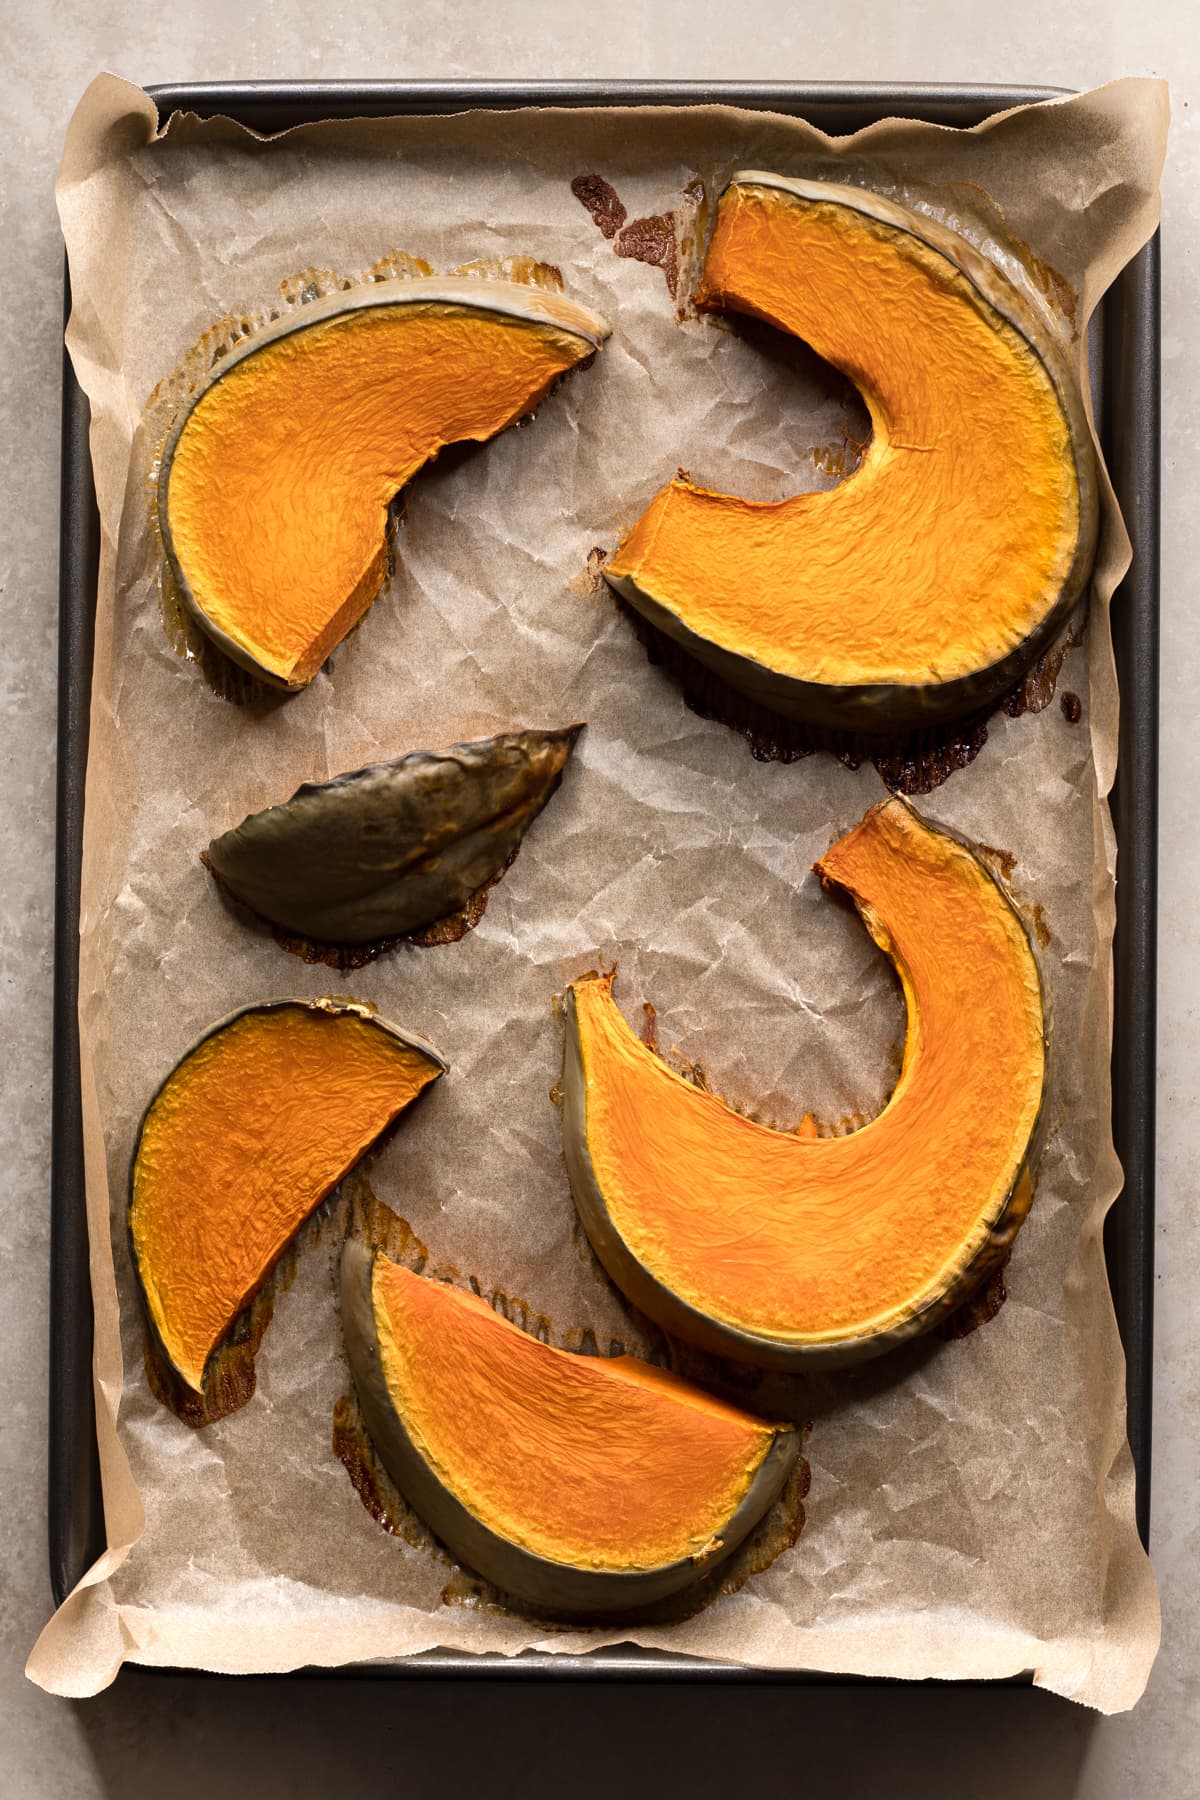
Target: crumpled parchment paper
971,1511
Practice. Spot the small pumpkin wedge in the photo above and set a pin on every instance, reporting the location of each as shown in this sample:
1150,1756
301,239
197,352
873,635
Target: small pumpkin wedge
250,1131
276,480
576,1483
394,846
925,584
789,1250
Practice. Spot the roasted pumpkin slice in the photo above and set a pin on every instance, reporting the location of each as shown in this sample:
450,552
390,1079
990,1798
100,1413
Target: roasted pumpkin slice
578,1483
394,846
923,585
789,1249
275,483
246,1136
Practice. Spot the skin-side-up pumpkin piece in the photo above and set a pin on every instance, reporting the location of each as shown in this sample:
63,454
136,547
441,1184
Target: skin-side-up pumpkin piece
789,1250
923,586
394,846
276,480
578,1484
250,1131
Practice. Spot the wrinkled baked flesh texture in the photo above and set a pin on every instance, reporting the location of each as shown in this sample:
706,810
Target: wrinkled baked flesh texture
392,847
253,1127
790,1250
574,1483
275,484
925,583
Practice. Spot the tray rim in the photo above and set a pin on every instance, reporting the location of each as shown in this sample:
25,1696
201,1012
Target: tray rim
1129,425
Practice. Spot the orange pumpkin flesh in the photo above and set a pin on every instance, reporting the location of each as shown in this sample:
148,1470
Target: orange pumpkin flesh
250,1131
925,582
785,1248
548,1472
275,485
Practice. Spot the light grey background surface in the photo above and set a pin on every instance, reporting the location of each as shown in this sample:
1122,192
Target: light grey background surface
164,1737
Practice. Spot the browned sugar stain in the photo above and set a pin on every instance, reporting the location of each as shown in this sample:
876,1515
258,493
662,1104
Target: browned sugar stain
523,269
223,677
916,763
518,1312
456,925
690,1070
588,583
1001,862
369,1218
372,1483
1072,707
653,240
1038,925
811,1126
581,1340
587,1259
927,761
229,1377
978,1309
777,1532
982,1306
602,202
346,958
1034,692
343,958
691,232
1055,287
842,459
830,459
649,1030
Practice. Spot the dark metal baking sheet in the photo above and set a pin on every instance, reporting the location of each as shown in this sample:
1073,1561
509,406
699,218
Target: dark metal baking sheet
1129,428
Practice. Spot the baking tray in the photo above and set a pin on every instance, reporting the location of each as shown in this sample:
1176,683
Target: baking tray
1126,363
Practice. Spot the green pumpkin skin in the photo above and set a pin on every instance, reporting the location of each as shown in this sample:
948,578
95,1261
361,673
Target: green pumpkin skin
392,847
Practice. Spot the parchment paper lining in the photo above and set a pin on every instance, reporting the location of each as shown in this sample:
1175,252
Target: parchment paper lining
971,1511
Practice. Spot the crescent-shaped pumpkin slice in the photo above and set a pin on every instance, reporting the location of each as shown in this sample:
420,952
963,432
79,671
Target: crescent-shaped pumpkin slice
790,1250
250,1131
925,583
275,482
579,1483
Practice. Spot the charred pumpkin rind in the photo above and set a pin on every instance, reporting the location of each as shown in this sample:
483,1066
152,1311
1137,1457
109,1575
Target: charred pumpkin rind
192,1376
536,1580
392,847
917,699
524,308
985,1248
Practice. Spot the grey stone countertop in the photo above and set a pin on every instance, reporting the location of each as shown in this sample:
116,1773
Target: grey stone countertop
165,1736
